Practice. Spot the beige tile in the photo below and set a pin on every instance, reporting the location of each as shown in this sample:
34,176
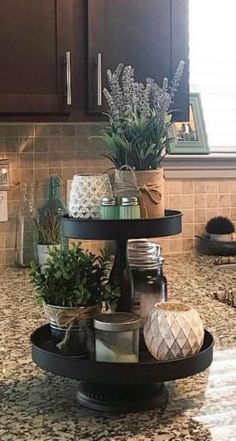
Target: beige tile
175,186
2,258
188,231
175,201
187,186
224,186
233,200
212,212
233,186
199,215
187,215
9,240
224,200
188,245
55,144
41,145
41,174
2,227
211,200
187,201
41,160
12,208
55,160
10,225
199,186
26,160
175,246
211,186
9,257
200,200
226,212
199,229
233,214
164,244
2,241
26,175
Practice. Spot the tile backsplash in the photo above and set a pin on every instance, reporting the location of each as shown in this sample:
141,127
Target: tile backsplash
38,151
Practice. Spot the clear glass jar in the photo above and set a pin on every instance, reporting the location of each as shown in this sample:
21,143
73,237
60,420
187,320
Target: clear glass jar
150,284
129,208
109,208
117,337
25,240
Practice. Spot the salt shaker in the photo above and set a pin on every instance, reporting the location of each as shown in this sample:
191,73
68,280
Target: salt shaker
129,208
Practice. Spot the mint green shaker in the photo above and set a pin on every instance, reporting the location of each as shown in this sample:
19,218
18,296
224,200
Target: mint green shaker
109,208
129,208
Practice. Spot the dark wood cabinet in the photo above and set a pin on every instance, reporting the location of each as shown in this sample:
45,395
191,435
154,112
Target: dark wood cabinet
36,37
150,35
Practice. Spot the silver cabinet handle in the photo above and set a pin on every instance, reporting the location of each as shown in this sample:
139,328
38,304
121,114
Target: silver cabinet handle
68,78
99,80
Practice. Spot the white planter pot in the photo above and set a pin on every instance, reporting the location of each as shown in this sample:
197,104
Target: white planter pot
173,330
221,237
86,194
43,252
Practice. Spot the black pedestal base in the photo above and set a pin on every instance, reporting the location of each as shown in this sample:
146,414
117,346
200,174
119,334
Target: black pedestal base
117,398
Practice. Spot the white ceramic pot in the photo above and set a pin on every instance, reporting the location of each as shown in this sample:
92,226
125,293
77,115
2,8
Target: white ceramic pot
173,330
221,237
43,252
86,194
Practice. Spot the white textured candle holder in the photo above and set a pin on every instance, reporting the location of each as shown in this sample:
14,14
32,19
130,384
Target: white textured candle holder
173,330
86,194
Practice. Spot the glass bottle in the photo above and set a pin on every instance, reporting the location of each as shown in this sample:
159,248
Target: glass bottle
109,208
48,216
129,208
25,228
150,284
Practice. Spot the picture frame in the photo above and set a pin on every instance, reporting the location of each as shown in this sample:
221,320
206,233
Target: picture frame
189,138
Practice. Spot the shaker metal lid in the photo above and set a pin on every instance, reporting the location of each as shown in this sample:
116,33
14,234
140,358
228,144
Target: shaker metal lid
108,200
129,200
117,321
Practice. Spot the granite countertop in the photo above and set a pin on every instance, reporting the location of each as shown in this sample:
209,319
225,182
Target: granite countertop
38,406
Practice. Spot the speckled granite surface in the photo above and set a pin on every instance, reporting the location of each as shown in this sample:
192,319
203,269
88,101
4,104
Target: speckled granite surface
37,406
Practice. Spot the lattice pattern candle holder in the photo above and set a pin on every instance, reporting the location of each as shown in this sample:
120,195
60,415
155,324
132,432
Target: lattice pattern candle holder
173,330
4,173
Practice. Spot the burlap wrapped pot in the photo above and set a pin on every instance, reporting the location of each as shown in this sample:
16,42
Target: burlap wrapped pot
148,185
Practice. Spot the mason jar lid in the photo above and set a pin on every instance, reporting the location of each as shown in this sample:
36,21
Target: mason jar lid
143,254
129,200
108,200
117,321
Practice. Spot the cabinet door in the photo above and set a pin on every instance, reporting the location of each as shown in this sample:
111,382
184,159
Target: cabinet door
150,35
35,36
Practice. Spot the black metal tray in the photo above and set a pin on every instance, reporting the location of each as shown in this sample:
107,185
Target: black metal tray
215,247
148,370
97,229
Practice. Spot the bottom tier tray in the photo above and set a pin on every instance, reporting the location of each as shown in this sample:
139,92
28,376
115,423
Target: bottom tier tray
119,387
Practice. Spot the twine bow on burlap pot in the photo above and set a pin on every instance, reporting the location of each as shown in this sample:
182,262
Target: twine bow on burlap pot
148,185
66,318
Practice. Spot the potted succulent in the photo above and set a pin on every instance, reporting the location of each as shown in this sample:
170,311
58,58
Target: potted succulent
137,134
220,228
72,286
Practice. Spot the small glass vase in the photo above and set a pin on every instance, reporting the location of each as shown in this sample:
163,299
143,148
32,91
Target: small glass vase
25,240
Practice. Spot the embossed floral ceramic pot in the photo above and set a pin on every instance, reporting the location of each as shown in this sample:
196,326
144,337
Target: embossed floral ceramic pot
173,330
86,194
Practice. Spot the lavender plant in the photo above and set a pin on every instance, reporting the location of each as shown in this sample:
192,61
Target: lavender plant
139,117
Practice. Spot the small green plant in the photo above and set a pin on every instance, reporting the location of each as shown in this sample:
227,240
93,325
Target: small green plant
139,117
74,278
48,229
219,225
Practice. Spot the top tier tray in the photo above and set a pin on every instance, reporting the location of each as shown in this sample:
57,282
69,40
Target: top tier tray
96,229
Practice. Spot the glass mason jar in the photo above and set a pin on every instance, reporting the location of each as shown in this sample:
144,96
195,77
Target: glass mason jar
25,240
150,284
117,337
129,208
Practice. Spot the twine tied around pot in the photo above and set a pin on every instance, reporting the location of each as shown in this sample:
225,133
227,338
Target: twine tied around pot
129,183
68,317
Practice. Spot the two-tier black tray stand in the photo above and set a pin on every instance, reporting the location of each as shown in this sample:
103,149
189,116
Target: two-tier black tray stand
120,387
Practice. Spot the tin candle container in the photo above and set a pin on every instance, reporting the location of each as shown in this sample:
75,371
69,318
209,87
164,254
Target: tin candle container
117,337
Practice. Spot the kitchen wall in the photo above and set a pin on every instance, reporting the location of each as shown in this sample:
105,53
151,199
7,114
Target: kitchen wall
37,151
